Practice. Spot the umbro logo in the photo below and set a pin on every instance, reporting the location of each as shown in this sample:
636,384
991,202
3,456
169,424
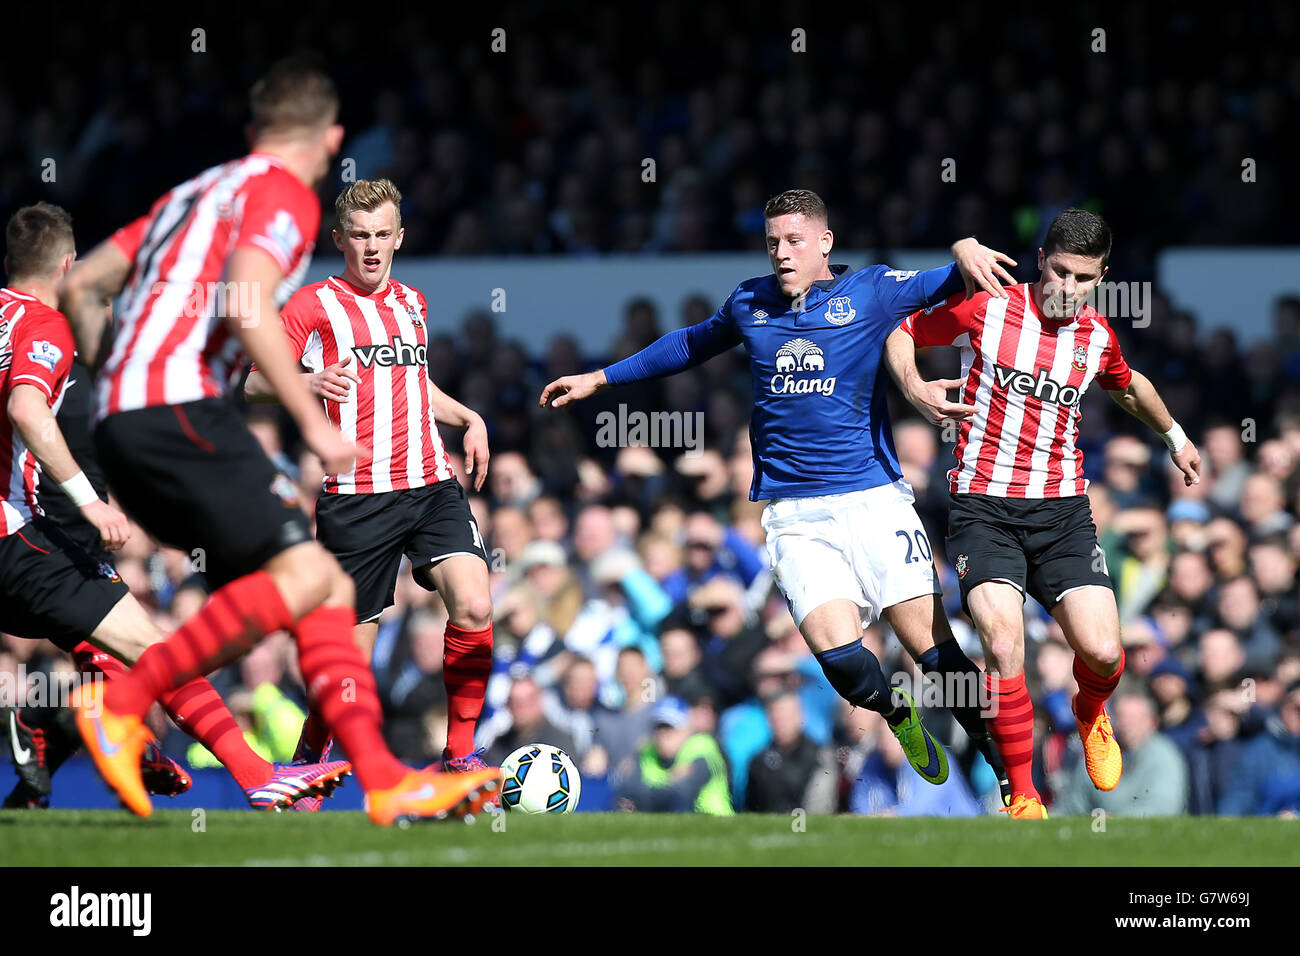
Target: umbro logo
760,317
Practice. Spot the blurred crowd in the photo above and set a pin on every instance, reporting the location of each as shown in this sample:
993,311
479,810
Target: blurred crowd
637,625
535,140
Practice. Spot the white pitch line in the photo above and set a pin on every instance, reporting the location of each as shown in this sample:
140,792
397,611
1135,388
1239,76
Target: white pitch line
552,850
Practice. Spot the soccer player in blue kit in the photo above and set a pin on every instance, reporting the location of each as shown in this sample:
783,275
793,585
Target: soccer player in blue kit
843,537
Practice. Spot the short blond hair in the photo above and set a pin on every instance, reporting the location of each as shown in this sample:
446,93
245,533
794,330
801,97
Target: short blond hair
366,195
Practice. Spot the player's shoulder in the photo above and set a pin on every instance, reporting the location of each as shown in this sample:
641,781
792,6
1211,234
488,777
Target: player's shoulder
35,313
758,285
877,273
752,293
306,305
261,170
41,331
308,294
266,178
974,308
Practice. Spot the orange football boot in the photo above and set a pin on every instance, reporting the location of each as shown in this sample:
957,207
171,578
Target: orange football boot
1101,754
426,794
1024,807
116,742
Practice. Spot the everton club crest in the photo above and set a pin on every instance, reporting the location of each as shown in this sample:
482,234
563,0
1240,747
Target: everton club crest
840,311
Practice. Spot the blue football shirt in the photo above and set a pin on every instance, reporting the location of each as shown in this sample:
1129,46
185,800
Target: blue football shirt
820,424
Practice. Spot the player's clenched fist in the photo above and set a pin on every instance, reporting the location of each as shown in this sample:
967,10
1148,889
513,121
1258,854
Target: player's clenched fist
111,524
335,383
572,388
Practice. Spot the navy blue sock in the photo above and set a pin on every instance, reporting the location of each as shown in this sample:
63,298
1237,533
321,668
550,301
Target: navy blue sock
961,693
855,674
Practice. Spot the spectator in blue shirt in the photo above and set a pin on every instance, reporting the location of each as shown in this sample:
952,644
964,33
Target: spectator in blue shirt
1263,778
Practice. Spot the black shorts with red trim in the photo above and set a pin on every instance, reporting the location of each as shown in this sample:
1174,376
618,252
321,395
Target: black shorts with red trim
370,533
196,479
51,588
1042,546
86,537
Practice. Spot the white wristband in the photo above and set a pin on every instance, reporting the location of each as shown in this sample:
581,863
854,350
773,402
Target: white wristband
78,489
1175,438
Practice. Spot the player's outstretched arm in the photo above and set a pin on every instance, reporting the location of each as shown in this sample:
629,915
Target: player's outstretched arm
256,321
928,398
87,294
981,267
573,388
1142,401
673,352
35,423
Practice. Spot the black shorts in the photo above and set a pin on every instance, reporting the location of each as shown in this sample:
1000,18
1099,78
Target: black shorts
85,536
370,533
1043,546
196,479
52,589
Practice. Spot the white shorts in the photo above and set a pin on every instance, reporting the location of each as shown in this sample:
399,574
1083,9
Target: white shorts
866,546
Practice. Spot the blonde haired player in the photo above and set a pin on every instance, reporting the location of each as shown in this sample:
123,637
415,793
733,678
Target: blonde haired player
363,336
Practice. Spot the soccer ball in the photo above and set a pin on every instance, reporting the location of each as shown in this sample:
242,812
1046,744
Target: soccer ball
539,778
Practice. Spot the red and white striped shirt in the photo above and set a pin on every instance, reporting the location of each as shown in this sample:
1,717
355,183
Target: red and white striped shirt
36,348
173,343
1026,375
391,411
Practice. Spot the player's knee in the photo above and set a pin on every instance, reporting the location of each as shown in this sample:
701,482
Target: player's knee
343,592
472,612
1105,652
1004,648
304,576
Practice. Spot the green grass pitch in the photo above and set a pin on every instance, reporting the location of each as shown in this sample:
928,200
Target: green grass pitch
238,838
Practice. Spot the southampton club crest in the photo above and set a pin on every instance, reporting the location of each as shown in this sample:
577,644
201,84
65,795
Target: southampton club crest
1081,358
840,311
282,487
414,314
962,566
